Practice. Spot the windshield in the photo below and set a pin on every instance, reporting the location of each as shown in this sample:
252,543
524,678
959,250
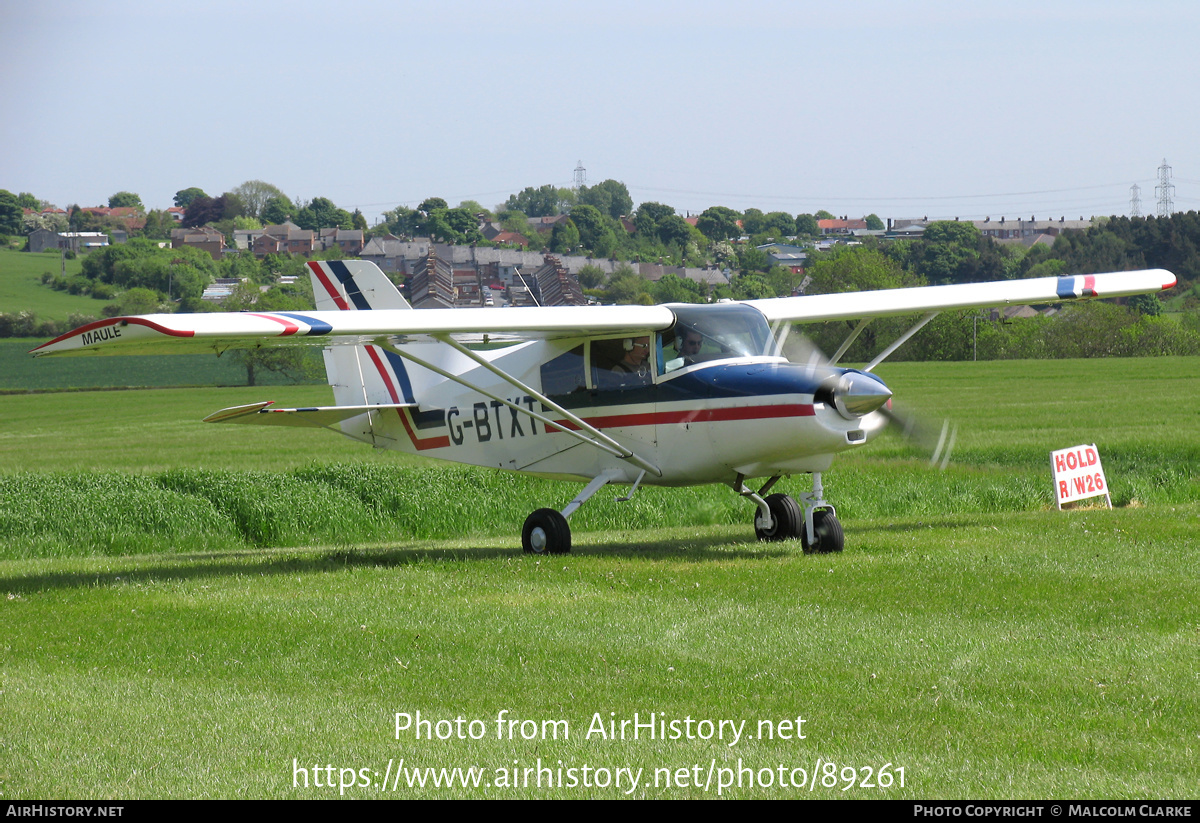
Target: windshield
715,332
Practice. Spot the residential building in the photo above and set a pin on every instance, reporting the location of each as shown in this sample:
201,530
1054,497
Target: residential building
1019,230
432,283
205,238
556,286
77,241
350,241
285,238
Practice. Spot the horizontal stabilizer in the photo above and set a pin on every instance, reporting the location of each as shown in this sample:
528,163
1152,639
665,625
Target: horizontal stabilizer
262,414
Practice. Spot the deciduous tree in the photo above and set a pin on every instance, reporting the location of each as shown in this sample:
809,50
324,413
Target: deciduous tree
125,200
277,210
544,201
565,237
184,197
10,213
610,197
806,225
719,223
255,194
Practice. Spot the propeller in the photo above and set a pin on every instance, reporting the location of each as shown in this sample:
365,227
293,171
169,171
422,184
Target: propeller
938,443
855,394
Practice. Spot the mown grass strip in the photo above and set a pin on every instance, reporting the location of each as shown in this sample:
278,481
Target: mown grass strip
992,656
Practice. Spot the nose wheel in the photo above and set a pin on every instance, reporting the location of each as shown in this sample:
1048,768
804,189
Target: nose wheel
826,535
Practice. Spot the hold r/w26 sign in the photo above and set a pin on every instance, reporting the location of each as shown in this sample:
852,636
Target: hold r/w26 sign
1078,474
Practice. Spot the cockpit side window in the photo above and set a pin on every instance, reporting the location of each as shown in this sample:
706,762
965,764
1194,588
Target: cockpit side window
622,362
564,374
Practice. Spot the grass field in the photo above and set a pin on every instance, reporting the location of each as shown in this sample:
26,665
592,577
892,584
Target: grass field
21,372
969,635
21,287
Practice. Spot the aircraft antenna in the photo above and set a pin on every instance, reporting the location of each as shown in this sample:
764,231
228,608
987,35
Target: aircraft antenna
1164,191
580,176
1135,200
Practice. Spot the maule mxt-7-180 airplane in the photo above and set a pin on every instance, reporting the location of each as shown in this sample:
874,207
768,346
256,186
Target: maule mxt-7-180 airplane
671,395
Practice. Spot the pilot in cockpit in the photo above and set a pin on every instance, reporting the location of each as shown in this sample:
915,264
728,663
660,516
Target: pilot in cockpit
688,345
636,360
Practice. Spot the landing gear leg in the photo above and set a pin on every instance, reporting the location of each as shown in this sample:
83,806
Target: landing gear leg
821,531
778,516
546,530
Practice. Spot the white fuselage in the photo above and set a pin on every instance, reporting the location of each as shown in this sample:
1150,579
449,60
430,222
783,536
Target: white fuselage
700,423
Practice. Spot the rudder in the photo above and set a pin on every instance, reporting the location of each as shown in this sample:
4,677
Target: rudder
353,285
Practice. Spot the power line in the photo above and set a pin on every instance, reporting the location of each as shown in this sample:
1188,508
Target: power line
870,199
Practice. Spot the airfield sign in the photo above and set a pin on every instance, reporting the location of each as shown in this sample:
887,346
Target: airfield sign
1078,475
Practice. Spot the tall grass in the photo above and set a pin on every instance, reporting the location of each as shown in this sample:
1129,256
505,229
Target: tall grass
190,509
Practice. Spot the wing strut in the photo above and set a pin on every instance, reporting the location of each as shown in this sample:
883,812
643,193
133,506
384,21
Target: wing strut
614,447
837,355
900,340
601,441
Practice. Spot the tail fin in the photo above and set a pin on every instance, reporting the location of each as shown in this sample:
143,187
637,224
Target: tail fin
353,285
360,375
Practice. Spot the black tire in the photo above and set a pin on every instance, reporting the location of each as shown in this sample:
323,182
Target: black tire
829,536
546,532
789,521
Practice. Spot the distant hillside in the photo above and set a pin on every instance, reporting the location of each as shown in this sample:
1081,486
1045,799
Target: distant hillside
21,287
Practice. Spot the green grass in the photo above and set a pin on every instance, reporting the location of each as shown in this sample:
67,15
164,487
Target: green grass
1027,655
990,646
21,287
20,371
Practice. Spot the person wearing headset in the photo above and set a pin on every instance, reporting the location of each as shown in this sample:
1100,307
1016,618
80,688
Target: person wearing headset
636,359
688,345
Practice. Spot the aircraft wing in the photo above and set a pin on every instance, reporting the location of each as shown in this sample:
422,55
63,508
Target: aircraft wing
218,331
887,302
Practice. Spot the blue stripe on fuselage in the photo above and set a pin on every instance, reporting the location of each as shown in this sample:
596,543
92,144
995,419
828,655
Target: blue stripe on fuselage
711,383
1066,287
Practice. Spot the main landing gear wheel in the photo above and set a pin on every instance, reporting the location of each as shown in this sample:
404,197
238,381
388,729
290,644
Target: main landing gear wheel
789,521
546,532
828,536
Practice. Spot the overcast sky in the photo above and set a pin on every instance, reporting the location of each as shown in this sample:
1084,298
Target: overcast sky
903,109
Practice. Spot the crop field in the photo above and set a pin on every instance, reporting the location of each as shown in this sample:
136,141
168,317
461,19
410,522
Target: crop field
19,372
225,611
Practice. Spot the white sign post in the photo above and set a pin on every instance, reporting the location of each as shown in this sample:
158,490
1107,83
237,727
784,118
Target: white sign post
1077,475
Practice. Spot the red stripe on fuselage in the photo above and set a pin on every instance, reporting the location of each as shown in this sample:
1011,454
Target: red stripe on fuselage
421,445
663,418
331,289
1089,285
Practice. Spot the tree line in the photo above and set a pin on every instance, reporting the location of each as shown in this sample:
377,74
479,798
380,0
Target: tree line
601,221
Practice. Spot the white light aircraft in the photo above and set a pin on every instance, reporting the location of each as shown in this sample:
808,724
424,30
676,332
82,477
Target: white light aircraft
671,395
